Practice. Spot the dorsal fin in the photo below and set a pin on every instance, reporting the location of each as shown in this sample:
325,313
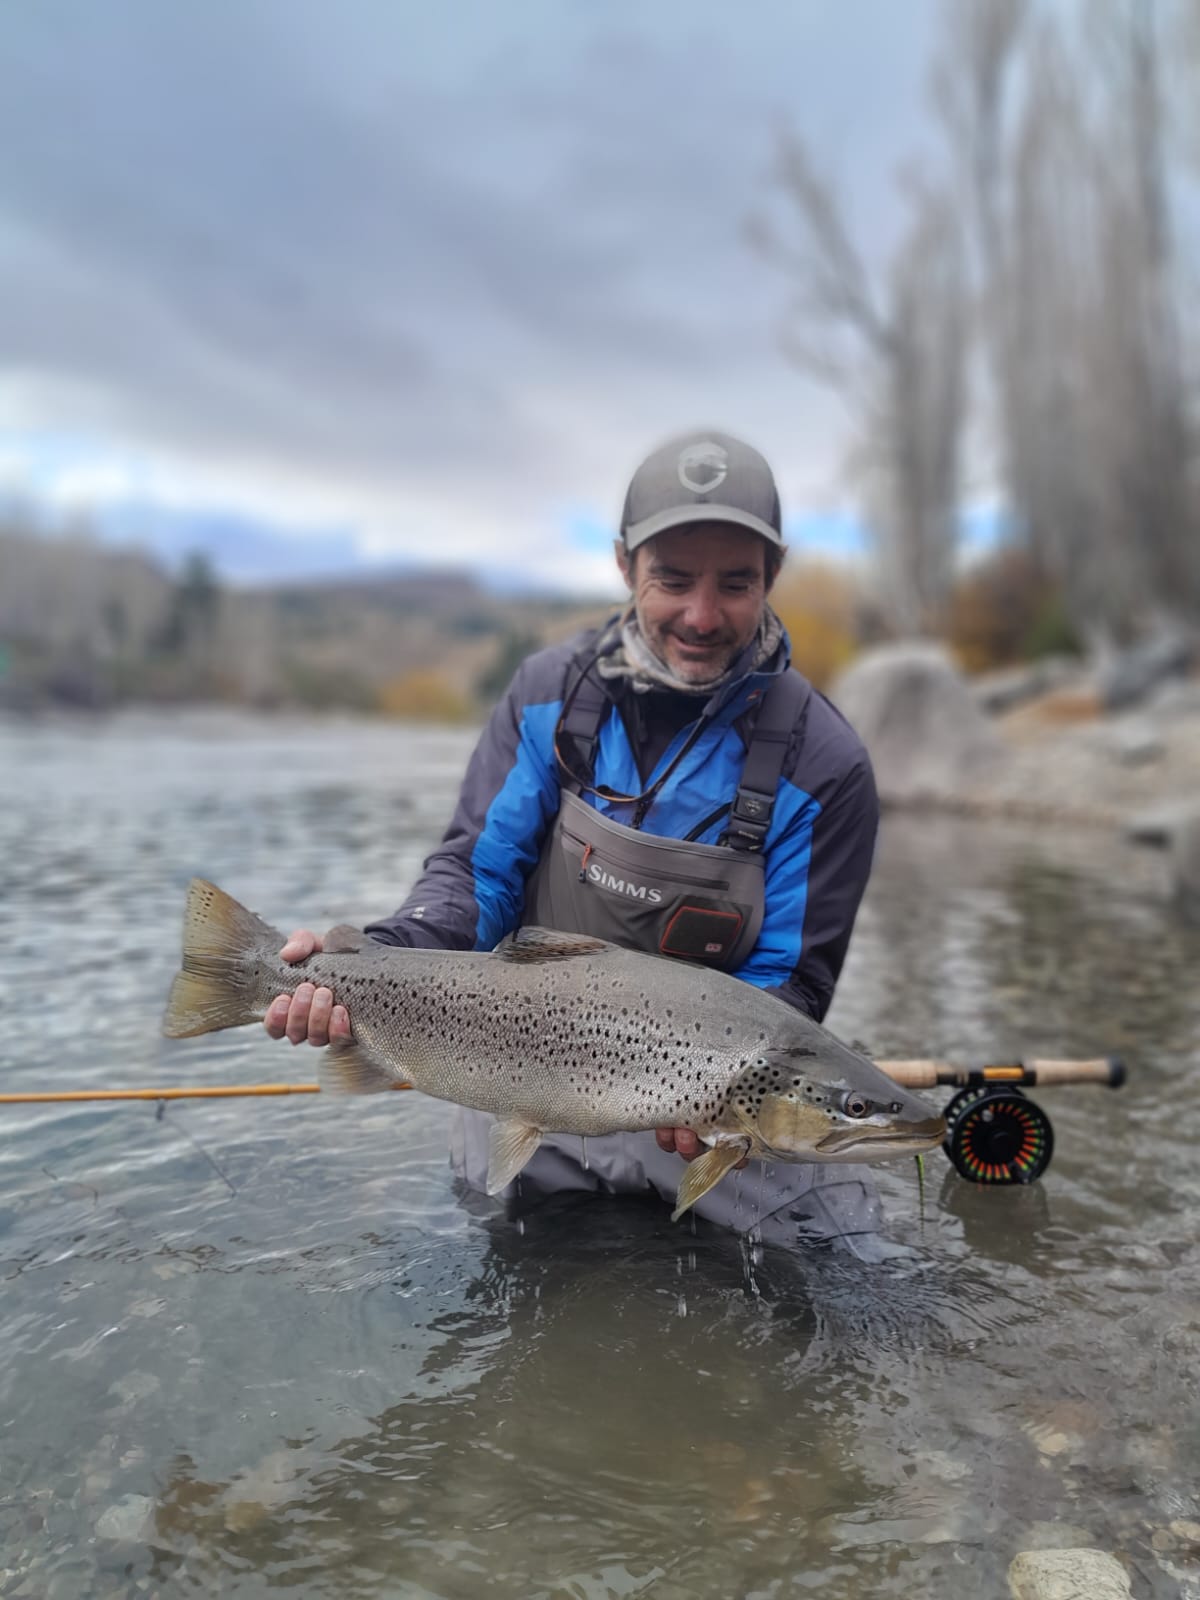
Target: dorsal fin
548,944
345,940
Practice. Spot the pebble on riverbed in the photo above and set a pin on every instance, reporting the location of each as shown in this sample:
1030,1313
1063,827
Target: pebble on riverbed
1067,1575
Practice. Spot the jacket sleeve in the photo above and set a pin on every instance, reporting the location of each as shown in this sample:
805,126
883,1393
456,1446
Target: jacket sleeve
471,889
816,873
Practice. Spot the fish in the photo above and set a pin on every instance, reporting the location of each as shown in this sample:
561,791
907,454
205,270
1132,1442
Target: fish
562,1033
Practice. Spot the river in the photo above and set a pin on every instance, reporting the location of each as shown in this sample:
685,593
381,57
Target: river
263,1347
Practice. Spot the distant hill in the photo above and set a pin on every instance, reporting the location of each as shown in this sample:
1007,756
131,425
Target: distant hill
87,625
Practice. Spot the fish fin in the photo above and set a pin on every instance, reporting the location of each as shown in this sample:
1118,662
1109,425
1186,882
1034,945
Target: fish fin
348,1067
345,941
704,1174
548,944
215,924
511,1144
205,1001
213,988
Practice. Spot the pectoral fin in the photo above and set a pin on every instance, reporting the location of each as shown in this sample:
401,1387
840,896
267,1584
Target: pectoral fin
704,1174
511,1145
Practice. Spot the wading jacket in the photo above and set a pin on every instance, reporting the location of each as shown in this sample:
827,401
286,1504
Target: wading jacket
817,854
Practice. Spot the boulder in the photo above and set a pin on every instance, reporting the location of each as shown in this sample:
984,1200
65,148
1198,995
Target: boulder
1067,1575
912,708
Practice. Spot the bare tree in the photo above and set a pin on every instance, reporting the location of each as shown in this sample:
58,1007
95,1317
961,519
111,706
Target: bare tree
1140,264
894,351
1060,149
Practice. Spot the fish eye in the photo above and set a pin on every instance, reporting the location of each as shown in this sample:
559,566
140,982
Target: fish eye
856,1105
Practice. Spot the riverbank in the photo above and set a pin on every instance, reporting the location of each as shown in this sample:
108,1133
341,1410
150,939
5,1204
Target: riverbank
1119,763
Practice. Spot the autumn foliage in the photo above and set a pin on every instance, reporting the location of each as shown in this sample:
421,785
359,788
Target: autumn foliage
1005,610
819,606
423,696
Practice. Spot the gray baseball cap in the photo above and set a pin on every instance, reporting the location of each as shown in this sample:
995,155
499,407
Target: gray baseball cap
702,477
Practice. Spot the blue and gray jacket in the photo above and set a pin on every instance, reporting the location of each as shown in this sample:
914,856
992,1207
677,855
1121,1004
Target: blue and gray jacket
817,854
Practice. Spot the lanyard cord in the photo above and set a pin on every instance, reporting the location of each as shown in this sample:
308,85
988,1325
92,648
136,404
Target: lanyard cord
642,801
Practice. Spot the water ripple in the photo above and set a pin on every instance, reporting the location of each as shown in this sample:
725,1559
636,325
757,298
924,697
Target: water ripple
267,1345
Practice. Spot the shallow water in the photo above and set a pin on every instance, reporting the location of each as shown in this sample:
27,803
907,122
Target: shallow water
263,1347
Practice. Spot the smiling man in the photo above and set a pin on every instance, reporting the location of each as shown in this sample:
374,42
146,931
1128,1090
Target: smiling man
668,782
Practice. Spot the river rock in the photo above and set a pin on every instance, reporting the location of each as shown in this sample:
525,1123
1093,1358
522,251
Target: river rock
1185,868
1177,698
1128,677
912,709
127,1520
1136,743
1157,825
1000,691
1067,1575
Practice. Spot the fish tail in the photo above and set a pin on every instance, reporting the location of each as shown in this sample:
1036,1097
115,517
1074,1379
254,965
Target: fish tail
214,987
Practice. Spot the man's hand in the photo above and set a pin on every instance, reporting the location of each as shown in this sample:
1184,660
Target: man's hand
685,1143
309,1013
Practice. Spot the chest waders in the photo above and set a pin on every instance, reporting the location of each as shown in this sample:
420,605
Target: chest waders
673,897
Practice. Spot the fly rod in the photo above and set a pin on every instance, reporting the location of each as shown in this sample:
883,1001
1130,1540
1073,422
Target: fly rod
1033,1074
911,1074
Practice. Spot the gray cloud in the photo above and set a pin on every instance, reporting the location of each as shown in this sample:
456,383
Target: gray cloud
475,258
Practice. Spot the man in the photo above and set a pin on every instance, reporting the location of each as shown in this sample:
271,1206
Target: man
670,783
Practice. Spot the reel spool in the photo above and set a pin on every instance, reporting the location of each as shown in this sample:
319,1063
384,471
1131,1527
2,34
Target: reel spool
995,1134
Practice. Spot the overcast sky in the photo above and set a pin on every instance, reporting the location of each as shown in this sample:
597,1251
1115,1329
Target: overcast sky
323,284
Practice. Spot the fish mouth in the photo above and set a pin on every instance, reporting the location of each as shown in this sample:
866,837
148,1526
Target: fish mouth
910,1139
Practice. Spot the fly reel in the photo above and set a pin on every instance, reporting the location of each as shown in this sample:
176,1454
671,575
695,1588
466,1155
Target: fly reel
995,1134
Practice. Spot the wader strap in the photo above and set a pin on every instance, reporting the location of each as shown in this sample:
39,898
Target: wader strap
750,817
587,705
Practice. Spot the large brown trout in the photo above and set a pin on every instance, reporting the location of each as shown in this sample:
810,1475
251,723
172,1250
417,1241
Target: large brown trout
558,1033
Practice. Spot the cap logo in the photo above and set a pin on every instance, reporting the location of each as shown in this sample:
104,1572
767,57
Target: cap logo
703,467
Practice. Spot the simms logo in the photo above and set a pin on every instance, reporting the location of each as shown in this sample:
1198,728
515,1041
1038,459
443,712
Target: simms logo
635,891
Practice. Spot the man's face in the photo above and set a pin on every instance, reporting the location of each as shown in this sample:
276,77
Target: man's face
699,592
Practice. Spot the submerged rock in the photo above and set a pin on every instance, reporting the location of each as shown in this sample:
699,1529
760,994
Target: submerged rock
912,709
127,1520
1067,1575
135,1386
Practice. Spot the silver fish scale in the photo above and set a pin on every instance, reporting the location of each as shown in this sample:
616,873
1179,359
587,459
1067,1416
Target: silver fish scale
576,1045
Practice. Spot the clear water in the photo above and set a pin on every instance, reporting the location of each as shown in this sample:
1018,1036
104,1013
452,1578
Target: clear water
262,1347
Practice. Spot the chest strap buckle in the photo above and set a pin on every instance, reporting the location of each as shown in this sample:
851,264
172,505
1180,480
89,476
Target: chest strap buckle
749,820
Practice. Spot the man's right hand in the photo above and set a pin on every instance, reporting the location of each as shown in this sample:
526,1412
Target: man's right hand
309,1013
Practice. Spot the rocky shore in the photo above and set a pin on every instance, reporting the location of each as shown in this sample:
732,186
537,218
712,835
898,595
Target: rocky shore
1055,754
